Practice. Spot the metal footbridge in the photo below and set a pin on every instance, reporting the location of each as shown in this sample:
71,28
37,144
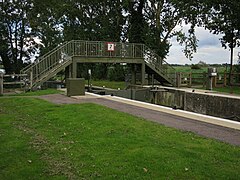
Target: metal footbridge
68,54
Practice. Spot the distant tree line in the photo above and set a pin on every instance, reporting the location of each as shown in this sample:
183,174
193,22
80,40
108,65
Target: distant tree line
151,22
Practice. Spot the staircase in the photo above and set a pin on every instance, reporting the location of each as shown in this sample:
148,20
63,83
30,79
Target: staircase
48,65
162,71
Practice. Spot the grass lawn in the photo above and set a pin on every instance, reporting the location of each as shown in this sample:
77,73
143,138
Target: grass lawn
108,84
40,140
220,69
38,92
231,90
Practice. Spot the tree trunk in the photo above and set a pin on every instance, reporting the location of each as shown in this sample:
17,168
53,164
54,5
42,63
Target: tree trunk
231,62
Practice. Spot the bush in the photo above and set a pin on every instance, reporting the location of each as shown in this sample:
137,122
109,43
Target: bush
116,73
195,66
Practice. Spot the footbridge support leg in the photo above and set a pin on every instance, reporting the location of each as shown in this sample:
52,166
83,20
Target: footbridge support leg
74,69
133,69
143,73
71,70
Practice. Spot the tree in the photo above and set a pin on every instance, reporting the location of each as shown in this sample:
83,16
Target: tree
45,23
135,32
154,23
223,17
17,40
93,20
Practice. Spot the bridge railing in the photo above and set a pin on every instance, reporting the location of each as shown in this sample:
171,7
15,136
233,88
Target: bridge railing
155,61
47,62
60,54
101,49
39,59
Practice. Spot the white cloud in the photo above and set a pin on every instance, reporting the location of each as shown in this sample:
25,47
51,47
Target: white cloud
209,50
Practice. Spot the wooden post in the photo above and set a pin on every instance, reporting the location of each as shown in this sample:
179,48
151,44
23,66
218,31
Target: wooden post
178,83
190,80
225,80
1,84
204,79
215,81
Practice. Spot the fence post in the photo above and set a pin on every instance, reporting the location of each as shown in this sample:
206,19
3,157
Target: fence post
1,84
225,80
178,83
204,79
190,80
215,81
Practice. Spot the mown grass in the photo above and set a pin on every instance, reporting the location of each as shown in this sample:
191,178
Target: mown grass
40,140
220,69
108,84
229,90
38,92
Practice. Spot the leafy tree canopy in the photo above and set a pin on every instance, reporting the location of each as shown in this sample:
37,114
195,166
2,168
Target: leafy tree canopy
152,22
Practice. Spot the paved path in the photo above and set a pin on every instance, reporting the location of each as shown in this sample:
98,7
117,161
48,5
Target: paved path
221,133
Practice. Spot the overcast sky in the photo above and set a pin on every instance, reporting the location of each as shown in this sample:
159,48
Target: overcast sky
209,50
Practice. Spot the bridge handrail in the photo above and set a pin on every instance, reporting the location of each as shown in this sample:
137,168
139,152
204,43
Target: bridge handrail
158,63
39,59
59,55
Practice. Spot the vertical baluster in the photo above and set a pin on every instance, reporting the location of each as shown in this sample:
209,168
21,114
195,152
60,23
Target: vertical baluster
66,49
37,70
40,69
83,48
74,48
31,78
56,57
86,49
45,65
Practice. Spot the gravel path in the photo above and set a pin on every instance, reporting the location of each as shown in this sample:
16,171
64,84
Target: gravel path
204,129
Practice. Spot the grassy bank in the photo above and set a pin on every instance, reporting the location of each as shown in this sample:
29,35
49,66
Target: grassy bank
40,140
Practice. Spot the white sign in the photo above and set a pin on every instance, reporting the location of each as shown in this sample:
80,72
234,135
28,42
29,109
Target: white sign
110,46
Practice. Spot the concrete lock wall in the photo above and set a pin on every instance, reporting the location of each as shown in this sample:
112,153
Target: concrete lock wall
170,98
219,106
136,94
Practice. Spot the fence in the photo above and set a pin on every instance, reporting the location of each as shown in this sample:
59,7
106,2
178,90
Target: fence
189,79
12,80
